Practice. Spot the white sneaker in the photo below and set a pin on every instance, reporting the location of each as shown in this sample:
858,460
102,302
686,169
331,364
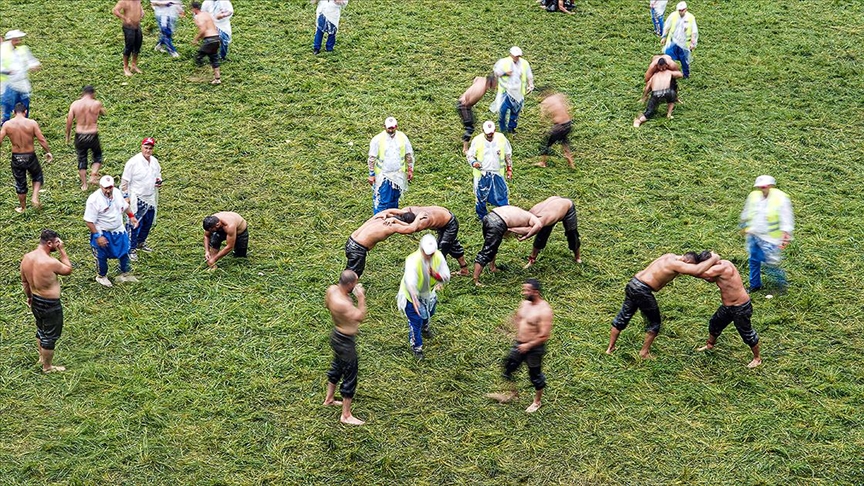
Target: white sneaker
104,281
125,277
159,48
133,256
175,54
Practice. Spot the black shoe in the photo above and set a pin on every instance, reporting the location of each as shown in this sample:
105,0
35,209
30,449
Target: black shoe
316,51
426,332
418,353
512,130
754,289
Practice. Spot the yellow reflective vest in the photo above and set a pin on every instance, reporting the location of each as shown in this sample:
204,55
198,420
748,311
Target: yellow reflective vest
776,198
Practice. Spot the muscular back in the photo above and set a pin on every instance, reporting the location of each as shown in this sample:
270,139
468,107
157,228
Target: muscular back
86,112
21,132
40,272
438,216
205,24
551,210
342,311
555,107
473,94
728,280
234,223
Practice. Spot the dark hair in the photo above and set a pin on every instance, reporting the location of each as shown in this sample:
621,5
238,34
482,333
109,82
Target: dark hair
88,89
661,61
705,255
196,5
347,277
20,108
491,79
210,222
48,236
534,283
406,217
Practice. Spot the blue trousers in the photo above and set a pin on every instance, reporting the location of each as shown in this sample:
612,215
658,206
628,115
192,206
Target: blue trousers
761,252
657,20
386,197
418,322
514,108
682,55
118,247
166,32
146,215
324,27
491,189
9,99
224,40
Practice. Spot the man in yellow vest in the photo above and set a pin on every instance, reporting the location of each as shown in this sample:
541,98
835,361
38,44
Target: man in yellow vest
391,166
680,36
515,80
16,62
768,222
425,271
485,155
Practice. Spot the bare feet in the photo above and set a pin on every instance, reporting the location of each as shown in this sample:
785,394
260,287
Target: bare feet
478,284
578,258
636,123
533,407
540,164
19,210
493,268
463,272
707,347
351,420
531,262
135,69
332,402
83,187
502,397
670,117
646,355
610,349
127,72
54,369
756,362
36,204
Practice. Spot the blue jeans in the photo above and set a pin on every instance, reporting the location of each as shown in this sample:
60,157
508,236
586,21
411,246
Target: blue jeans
386,197
514,108
224,40
678,53
657,20
324,27
166,32
761,252
491,189
418,322
145,215
9,99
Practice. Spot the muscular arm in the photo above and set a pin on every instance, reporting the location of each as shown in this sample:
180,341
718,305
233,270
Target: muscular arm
715,271
63,265
694,269
544,330
2,134
420,223
390,212
117,11
43,143
536,226
26,285
230,240
69,117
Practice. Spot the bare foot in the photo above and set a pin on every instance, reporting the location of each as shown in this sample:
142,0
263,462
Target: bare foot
135,68
756,362
572,165
493,268
332,402
636,123
351,420
83,187
646,355
707,347
533,407
36,204
540,164
478,284
19,210
54,369
530,263
670,117
501,397
463,272
127,72
610,350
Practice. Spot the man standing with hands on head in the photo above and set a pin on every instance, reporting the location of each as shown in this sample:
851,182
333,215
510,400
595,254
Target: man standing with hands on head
515,80
425,272
391,166
768,222
140,183
21,132
39,278
346,319
86,111
108,238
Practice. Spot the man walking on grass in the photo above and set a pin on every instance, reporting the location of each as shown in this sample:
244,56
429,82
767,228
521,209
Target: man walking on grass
680,36
639,293
768,222
485,155
39,272
736,308
209,37
515,80
140,183
346,319
222,12
21,132
533,325
425,272
103,215
555,107
130,14
85,111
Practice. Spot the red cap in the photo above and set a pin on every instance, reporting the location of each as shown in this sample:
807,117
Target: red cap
148,141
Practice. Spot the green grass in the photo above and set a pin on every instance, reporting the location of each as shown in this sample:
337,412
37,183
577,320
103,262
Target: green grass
192,377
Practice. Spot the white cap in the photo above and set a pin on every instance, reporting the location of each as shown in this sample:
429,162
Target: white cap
488,127
681,6
14,34
390,122
428,244
106,181
764,180
515,51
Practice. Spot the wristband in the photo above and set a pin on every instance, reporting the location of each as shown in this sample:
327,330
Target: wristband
371,173
98,235
131,215
125,195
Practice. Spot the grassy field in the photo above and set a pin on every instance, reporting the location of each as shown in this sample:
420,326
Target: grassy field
197,377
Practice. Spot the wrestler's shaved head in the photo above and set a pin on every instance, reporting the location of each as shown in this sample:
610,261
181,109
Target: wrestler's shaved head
348,277
406,217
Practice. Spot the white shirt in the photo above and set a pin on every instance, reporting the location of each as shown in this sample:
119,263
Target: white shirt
679,37
330,10
659,6
425,292
106,214
141,177
514,85
758,226
491,162
391,166
218,7
20,62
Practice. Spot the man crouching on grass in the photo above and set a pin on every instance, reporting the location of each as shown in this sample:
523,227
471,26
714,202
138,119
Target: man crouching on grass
225,226
533,322
736,308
